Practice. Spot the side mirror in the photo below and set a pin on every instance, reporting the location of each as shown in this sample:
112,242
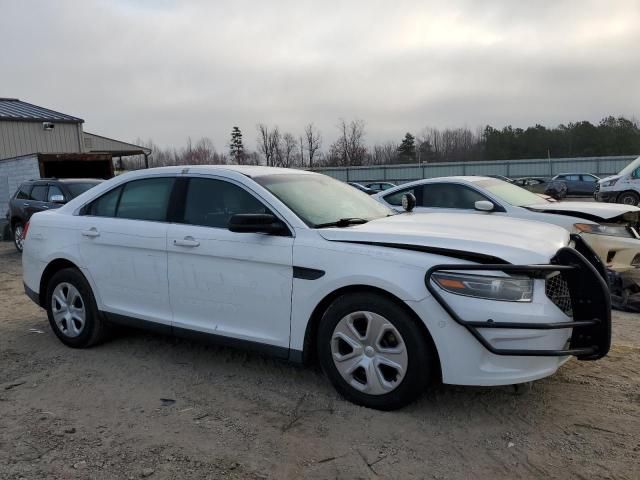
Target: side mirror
484,206
256,223
408,201
56,199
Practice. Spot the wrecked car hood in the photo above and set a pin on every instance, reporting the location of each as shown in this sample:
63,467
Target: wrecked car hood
514,240
589,210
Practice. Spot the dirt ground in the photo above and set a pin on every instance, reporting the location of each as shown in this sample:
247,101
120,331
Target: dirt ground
150,406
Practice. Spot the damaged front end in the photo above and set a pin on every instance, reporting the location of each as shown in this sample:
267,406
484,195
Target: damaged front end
576,282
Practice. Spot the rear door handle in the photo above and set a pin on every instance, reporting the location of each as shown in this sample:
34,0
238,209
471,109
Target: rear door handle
91,233
187,241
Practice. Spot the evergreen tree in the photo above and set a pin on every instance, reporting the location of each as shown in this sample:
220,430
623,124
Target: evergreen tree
407,148
236,148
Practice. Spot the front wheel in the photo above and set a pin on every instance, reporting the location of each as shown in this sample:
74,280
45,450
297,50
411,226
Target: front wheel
374,352
629,198
72,310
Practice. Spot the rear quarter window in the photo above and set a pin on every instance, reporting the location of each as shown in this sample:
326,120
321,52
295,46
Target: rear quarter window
24,192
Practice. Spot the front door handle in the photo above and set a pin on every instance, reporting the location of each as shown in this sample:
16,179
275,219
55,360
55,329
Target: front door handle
91,233
187,241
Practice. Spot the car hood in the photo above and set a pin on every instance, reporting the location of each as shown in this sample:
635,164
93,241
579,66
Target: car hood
467,236
606,179
588,210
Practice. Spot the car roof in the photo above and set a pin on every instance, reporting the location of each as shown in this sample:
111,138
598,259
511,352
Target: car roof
64,180
576,173
79,180
247,170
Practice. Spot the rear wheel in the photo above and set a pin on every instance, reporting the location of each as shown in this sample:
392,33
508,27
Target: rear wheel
18,236
629,198
373,351
72,310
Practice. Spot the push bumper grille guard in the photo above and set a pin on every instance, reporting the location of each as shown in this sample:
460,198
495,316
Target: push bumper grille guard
591,324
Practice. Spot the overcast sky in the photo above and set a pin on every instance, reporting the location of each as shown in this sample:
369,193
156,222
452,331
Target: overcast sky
170,69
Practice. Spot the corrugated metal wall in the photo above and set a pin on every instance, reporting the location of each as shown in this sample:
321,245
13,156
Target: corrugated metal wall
542,167
97,143
24,138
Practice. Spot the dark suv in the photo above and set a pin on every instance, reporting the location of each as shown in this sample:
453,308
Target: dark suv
38,195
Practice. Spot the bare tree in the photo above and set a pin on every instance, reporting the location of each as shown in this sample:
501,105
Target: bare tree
287,150
314,141
300,162
349,148
263,143
384,154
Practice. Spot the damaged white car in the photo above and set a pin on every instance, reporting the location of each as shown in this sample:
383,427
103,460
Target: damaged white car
611,230
303,267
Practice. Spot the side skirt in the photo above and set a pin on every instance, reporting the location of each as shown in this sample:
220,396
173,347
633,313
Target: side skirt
294,356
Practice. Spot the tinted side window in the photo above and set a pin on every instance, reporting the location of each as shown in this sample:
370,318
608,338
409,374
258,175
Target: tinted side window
572,178
24,192
39,193
589,178
395,199
54,190
104,206
211,203
145,199
449,196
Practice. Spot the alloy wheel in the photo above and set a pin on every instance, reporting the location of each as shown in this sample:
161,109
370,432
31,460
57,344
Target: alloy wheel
18,235
68,309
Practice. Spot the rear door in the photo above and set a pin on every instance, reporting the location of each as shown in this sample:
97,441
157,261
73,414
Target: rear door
236,285
123,239
37,201
574,184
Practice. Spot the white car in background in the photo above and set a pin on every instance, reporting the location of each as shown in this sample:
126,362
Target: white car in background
611,230
621,188
302,266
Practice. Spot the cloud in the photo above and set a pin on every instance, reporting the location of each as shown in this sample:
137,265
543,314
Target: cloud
167,70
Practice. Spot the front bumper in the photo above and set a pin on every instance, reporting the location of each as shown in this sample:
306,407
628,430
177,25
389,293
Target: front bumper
607,197
590,300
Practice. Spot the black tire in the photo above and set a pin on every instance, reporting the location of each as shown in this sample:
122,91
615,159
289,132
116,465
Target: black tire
419,350
629,198
94,329
18,235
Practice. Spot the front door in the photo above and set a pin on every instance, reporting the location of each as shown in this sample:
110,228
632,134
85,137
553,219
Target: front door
236,285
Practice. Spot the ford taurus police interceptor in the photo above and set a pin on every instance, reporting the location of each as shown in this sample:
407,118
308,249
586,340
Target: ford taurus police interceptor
306,268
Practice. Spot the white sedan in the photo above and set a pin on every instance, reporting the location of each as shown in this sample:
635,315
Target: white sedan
304,267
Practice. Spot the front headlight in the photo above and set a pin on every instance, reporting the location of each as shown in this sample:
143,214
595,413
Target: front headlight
506,289
610,183
600,229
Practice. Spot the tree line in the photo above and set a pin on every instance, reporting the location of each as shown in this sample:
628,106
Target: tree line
278,148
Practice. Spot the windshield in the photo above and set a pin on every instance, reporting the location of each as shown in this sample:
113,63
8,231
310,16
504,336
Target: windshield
510,193
631,167
78,188
318,199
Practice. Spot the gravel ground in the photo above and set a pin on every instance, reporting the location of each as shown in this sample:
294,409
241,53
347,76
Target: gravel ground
148,406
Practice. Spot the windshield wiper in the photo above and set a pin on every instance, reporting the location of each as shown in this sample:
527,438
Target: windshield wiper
343,222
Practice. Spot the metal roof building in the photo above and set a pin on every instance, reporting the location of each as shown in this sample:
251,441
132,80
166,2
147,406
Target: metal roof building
17,110
40,142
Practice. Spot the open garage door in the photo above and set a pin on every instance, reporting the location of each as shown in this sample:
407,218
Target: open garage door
75,165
